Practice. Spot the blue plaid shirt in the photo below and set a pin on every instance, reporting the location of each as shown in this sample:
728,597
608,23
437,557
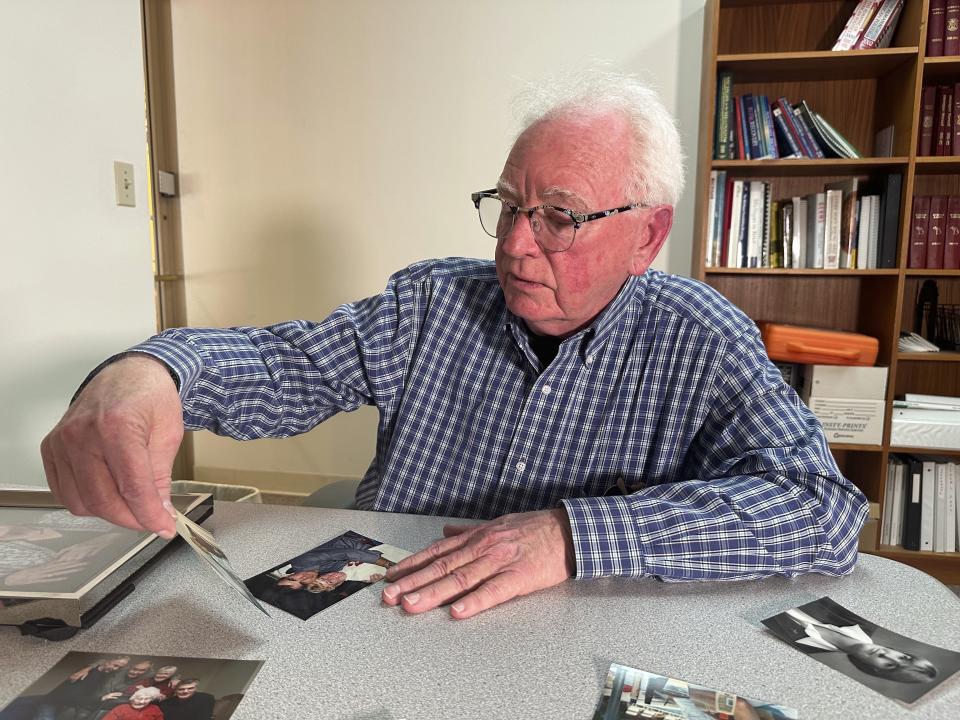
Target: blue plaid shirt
671,440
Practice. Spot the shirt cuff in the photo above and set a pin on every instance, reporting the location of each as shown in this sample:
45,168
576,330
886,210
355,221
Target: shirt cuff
185,363
605,537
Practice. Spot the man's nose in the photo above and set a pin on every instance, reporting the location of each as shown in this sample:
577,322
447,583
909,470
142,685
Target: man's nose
521,240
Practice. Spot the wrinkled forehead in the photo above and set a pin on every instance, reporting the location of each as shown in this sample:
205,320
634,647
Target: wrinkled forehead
577,157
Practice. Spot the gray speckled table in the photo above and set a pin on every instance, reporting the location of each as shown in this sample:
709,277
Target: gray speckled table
541,656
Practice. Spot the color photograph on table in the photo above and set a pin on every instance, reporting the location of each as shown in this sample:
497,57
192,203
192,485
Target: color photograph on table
894,665
325,575
632,693
116,686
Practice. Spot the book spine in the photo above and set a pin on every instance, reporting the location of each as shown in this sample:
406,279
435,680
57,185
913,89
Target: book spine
831,232
913,489
886,34
743,148
857,23
873,253
718,208
940,509
755,224
951,241
768,128
721,137
936,230
928,106
951,513
753,131
775,243
863,232
800,232
733,231
918,231
783,132
951,28
955,121
928,504
725,224
787,232
711,215
743,240
935,28
944,124
890,220
881,24
795,133
812,144
816,223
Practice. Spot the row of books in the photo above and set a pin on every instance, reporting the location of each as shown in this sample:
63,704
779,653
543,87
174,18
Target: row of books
935,232
849,225
939,120
920,503
754,127
871,25
943,28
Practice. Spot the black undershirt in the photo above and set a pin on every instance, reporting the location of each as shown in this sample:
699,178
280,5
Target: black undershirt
546,347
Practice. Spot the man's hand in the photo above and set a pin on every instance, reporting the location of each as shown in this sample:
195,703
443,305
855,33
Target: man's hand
112,453
485,565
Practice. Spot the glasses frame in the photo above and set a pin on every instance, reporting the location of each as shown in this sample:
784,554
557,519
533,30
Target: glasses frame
578,218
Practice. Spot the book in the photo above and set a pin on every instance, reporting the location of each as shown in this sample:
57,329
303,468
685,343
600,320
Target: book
883,142
951,512
718,214
857,23
889,235
832,229
725,225
816,225
928,492
790,120
711,218
955,121
913,490
896,519
935,28
951,31
886,520
755,223
752,136
863,231
943,121
769,135
837,142
880,32
918,231
819,137
786,233
952,402
775,242
928,106
848,221
799,232
812,146
940,506
951,240
723,149
740,124
873,245
936,230
785,138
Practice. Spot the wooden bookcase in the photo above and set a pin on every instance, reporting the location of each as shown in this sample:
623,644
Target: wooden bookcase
782,47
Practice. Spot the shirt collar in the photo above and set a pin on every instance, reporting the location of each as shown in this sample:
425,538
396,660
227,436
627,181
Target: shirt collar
596,334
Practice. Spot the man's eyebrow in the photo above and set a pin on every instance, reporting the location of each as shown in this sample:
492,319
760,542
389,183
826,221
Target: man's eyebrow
568,196
505,188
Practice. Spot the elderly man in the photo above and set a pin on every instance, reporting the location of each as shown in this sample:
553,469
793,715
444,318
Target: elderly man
606,419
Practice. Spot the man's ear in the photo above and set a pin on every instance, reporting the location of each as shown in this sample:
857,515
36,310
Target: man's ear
653,233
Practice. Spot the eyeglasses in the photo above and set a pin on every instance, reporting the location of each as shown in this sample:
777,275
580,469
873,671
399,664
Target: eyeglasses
554,228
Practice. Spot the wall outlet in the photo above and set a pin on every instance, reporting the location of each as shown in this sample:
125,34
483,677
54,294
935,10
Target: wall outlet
123,178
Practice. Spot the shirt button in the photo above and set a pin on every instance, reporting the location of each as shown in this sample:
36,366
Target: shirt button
546,389
589,359
521,466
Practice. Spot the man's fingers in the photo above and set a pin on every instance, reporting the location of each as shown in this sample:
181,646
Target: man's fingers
129,463
494,591
458,582
449,564
426,556
67,493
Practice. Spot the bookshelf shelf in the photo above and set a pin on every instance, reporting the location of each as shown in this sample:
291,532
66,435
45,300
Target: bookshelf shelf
812,168
817,66
928,357
798,271
780,48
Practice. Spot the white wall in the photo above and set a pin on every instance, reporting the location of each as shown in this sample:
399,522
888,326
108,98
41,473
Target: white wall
76,280
325,144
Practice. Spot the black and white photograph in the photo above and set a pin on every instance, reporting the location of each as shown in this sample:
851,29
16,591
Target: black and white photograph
207,548
894,665
325,575
632,693
116,686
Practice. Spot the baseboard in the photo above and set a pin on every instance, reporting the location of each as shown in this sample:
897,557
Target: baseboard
269,481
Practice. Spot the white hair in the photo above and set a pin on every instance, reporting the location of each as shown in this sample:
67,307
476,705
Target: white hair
656,156
148,693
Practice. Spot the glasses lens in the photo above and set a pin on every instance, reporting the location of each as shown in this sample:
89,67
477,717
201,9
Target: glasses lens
495,216
556,230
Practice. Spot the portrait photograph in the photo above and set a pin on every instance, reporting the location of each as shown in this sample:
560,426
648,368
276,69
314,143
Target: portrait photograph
48,552
641,694
117,686
894,665
325,575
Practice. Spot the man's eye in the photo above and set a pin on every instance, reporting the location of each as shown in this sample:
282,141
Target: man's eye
557,218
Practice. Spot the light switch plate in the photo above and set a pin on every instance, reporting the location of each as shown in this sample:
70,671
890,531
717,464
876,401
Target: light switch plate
123,178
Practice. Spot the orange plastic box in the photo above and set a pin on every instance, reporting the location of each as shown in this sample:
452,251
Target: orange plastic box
816,346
